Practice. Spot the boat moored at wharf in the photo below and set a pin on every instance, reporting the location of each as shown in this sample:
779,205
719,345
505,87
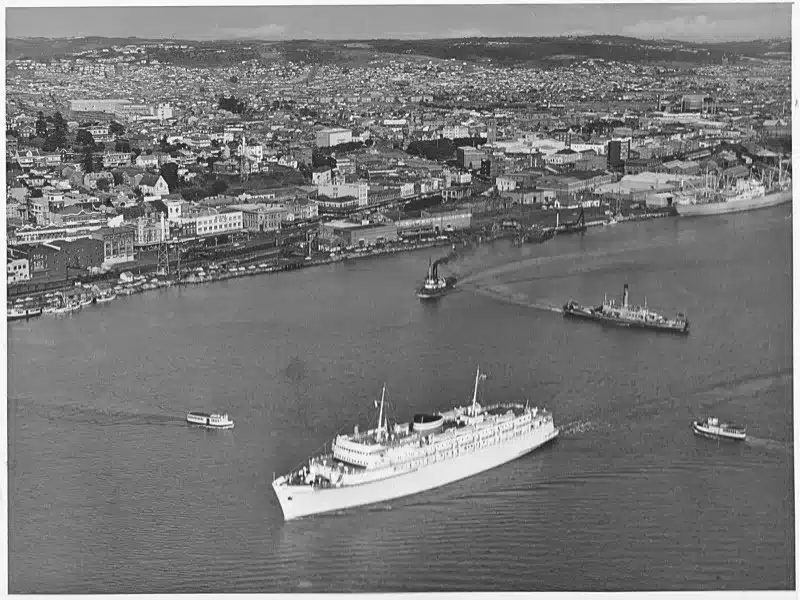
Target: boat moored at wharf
15,313
625,315
432,450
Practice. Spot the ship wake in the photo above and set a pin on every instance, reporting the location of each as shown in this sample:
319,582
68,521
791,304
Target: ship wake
99,416
769,445
579,426
505,294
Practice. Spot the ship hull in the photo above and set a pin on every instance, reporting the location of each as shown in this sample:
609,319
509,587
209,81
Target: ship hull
722,208
433,294
208,426
605,320
302,500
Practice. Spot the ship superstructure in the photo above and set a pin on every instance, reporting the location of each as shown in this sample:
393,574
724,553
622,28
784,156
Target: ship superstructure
432,450
625,314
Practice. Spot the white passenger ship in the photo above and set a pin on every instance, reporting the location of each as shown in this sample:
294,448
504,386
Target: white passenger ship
433,450
210,420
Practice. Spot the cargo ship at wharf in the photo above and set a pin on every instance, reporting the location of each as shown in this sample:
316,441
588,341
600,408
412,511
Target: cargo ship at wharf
717,197
431,451
625,315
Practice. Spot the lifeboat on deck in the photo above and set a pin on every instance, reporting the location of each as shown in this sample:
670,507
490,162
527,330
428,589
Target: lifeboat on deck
425,423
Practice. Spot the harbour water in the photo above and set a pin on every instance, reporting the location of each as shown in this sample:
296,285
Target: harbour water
111,492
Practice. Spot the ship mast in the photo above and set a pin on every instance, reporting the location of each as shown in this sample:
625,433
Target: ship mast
380,416
478,377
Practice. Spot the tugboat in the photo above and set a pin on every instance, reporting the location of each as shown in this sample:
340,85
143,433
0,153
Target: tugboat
210,420
712,428
434,285
625,315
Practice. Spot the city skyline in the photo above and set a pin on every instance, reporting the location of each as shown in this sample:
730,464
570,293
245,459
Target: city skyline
681,22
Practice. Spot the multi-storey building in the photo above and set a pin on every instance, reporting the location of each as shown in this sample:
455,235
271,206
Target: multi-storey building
118,244
358,190
60,259
261,217
333,137
17,269
210,221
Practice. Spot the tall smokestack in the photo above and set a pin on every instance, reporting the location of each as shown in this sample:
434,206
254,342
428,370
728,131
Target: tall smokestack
625,295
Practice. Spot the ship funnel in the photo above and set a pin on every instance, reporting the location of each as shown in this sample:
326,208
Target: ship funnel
625,295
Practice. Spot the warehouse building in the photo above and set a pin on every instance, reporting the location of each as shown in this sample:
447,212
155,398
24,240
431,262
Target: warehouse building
345,233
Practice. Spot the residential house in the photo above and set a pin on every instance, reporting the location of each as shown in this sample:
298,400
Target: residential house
112,160
147,161
90,179
322,176
152,185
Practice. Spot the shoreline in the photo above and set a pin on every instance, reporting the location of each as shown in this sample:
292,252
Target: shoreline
211,272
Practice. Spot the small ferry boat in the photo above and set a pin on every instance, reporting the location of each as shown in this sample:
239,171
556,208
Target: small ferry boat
627,315
712,428
15,313
435,286
210,420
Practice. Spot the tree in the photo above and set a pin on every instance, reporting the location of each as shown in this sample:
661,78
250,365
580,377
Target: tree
88,162
122,146
163,143
36,193
58,137
84,138
193,194
232,104
59,124
169,171
103,185
218,186
116,129
41,125
117,177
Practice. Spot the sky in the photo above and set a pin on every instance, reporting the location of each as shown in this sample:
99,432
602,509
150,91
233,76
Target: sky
685,21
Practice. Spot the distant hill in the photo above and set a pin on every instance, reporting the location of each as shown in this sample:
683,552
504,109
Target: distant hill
501,51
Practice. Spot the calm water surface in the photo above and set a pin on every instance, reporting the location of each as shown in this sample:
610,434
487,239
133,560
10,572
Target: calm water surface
111,492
